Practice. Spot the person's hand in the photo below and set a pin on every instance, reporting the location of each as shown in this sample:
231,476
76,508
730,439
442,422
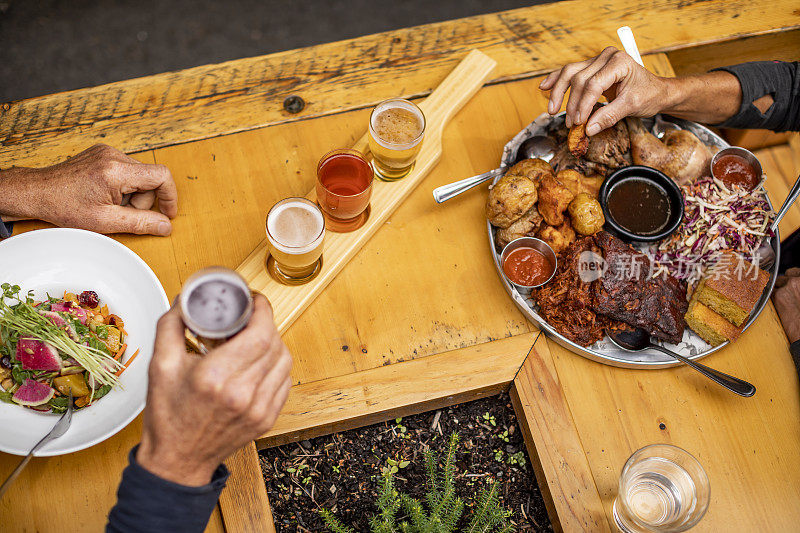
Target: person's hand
202,409
86,191
631,90
787,302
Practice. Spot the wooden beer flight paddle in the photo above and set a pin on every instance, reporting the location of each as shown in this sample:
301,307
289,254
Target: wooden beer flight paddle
288,302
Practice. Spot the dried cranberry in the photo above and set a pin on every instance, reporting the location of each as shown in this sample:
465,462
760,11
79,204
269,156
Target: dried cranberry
5,362
89,299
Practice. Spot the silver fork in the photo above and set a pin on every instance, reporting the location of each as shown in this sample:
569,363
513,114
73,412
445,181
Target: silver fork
59,429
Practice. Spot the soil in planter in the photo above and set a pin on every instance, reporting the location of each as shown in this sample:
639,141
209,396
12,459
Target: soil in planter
340,472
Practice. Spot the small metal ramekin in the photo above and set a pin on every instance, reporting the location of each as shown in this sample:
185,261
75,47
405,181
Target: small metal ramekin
744,153
529,242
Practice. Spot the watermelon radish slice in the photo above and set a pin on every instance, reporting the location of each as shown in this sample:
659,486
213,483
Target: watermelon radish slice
60,322
54,317
77,312
37,355
33,393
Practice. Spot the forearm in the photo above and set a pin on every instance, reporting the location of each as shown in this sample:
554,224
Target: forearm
18,194
709,98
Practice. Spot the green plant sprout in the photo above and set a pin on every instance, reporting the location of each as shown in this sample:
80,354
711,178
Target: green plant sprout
442,510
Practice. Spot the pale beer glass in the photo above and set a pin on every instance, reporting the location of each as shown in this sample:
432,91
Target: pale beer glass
661,488
396,130
295,232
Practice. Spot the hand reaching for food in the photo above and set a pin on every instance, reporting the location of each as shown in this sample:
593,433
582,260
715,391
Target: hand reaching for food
86,191
633,91
202,409
630,88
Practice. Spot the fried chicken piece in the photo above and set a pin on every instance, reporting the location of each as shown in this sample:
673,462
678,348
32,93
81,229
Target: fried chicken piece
554,198
533,169
509,199
577,141
559,238
578,183
586,214
523,227
681,156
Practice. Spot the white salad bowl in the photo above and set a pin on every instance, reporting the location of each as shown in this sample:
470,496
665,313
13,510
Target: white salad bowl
52,261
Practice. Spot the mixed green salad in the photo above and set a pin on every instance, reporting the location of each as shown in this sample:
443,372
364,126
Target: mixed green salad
56,346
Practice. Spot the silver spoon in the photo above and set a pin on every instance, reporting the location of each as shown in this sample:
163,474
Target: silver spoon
765,253
637,339
59,429
540,146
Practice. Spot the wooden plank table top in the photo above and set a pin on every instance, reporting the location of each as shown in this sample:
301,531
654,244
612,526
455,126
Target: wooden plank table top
420,308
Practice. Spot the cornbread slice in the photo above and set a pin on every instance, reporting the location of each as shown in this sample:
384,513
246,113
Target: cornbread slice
712,327
732,287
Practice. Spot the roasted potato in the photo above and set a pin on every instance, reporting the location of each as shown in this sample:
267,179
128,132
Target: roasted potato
533,169
557,237
586,213
524,227
509,199
554,198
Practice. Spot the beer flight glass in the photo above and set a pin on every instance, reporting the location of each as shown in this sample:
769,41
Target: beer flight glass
296,226
396,129
215,305
344,187
295,233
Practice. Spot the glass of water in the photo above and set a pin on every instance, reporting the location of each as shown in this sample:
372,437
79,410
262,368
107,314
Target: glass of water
661,488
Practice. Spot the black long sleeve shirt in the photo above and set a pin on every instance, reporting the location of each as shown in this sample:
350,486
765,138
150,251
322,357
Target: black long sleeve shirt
147,503
779,79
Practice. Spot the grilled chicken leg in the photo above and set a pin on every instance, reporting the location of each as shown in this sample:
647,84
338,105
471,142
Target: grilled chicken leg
681,155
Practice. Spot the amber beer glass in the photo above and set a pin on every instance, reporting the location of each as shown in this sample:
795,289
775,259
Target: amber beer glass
344,187
295,232
396,129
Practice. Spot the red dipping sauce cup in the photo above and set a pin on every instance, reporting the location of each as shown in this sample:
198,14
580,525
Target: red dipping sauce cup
544,253
344,187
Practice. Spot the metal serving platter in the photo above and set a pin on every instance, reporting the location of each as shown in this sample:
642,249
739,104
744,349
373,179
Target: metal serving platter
604,351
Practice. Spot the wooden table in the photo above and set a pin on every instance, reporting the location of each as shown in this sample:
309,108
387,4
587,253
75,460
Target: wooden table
419,319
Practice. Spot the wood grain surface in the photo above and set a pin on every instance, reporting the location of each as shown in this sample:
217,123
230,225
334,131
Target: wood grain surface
288,302
402,389
433,289
202,102
243,501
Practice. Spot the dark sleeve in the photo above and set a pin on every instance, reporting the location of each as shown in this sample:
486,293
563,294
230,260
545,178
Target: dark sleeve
759,78
147,503
794,349
6,229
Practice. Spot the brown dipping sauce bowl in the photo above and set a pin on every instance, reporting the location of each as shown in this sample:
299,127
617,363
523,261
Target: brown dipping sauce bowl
653,177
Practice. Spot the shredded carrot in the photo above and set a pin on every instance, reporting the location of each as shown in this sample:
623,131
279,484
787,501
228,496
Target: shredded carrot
118,355
65,295
127,363
83,401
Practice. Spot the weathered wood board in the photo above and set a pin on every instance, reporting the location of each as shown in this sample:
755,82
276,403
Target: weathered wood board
239,95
